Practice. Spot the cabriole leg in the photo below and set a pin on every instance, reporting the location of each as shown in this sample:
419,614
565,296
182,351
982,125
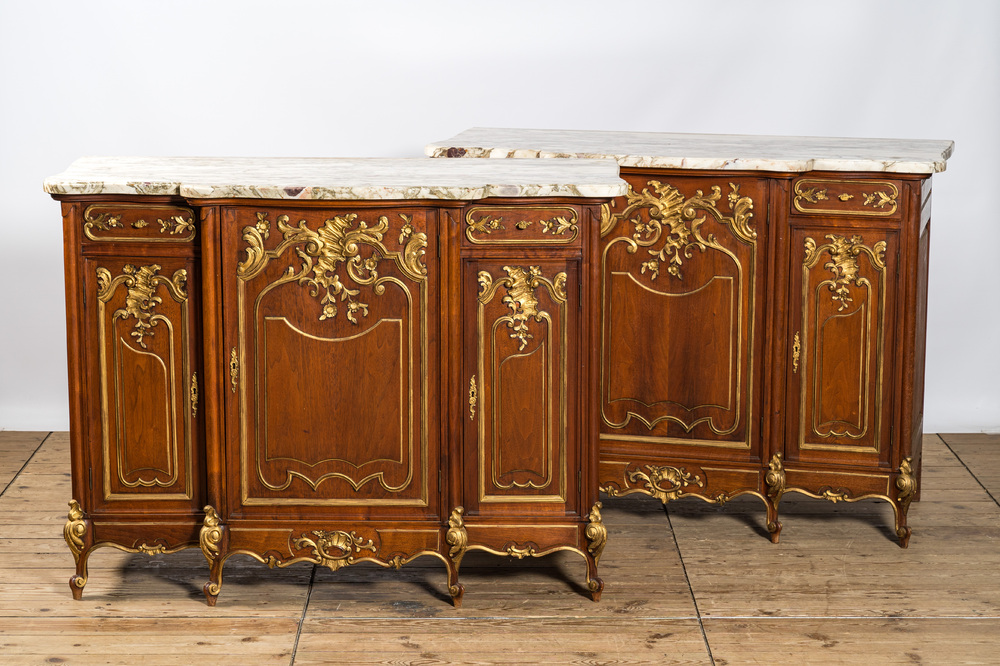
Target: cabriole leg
79,537
211,541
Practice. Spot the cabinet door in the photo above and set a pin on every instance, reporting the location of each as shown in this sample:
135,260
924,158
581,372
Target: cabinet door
682,284
520,445
332,371
840,366
143,316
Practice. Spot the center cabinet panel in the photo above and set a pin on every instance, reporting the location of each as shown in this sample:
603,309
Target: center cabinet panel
521,360
331,341
682,317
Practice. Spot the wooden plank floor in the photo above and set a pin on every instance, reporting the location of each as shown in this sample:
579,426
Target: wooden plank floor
697,584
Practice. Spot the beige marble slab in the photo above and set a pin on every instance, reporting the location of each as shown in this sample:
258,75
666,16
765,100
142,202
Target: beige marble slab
704,151
335,178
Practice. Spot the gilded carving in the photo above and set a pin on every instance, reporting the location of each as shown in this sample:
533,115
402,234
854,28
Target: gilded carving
473,397
485,282
103,221
141,299
146,549
879,199
457,537
906,484
843,262
596,533
322,252
211,535
775,478
558,225
835,495
486,224
521,300
810,192
98,218
675,221
194,394
344,547
74,530
813,195
234,369
176,224
521,552
796,352
655,476
521,284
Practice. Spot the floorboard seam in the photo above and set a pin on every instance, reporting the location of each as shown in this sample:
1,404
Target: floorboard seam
302,619
14,478
967,469
687,579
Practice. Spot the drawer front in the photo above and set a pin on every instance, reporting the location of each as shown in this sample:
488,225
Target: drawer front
142,223
520,225
825,196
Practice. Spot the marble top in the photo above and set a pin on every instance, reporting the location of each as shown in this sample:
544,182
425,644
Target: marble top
704,151
337,178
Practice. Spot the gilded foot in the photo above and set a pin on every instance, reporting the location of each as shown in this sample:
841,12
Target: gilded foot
904,536
78,535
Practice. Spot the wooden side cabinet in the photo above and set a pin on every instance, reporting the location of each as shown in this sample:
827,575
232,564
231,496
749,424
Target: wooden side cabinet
133,287
762,312
335,381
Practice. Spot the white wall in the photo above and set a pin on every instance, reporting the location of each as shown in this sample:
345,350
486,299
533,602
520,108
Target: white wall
359,78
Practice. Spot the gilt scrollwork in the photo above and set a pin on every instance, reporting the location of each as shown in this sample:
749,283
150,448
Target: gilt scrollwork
457,537
334,549
796,352
75,529
839,495
141,300
664,482
906,484
674,224
337,242
596,533
521,284
193,395
843,263
473,397
210,536
521,552
775,478
234,370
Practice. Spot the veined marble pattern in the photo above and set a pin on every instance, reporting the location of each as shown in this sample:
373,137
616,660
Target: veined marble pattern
333,178
704,151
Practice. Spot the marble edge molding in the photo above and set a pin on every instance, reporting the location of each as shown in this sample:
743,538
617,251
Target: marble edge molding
706,163
703,151
366,192
90,176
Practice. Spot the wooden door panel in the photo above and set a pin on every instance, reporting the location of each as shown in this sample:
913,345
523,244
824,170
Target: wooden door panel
145,314
681,316
522,369
842,336
332,370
